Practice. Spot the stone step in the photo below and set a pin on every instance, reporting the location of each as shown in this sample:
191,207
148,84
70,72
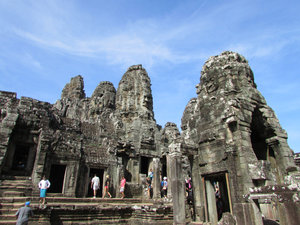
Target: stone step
9,217
8,211
9,177
76,200
16,180
97,214
4,187
13,194
12,207
88,210
8,222
13,186
8,184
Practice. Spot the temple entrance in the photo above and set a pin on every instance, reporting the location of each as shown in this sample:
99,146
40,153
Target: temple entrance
99,173
56,178
217,196
164,167
144,165
20,157
20,160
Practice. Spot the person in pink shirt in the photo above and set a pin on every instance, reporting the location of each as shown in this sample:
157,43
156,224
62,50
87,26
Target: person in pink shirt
122,186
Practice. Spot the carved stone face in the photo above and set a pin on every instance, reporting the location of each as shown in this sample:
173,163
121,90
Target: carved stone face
134,92
147,101
103,96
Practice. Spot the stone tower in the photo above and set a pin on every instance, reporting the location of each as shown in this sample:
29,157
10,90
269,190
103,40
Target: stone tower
231,145
237,140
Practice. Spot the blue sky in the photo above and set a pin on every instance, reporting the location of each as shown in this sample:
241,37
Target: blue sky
45,43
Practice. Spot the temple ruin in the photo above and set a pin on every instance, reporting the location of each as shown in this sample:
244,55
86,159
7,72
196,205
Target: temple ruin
231,144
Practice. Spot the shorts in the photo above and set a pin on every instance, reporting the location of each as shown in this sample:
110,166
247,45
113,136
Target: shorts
122,189
95,187
43,193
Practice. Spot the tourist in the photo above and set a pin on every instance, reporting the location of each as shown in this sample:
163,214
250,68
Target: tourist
44,184
95,184
149,186
161,186
165,187
219,204
150,174
106,187
122,187
217,192
23,214
189,190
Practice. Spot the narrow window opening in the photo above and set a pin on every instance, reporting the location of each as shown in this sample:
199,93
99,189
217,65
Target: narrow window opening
259,133
259,182
271,153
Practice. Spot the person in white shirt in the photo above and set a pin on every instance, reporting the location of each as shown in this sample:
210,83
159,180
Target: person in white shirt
95,184
44,184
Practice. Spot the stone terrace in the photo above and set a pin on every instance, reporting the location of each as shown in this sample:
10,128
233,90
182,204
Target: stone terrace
64,210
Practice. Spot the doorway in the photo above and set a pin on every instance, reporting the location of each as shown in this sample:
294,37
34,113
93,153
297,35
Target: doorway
99,173
56,178
217,196
144,165
164,167
20,158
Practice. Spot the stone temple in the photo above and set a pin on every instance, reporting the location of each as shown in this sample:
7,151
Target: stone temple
231,145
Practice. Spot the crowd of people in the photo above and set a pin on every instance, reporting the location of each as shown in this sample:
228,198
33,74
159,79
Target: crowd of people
25,212
44,185
95,185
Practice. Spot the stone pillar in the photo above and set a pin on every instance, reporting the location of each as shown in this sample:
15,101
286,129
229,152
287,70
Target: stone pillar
169,162
177,183
6,128
198,190
120,172
211,199
40,159
133,168
156,178
70,178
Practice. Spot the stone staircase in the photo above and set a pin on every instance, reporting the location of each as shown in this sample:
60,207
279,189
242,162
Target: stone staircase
15,186
16,190
65,210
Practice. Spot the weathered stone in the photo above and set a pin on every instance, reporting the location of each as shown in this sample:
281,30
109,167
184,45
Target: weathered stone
239,139
74,89
231,144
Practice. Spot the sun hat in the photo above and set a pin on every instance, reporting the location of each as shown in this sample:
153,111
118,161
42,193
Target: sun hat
27,203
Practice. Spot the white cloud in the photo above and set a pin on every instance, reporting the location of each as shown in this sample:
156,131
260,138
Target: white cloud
30,61
148,41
